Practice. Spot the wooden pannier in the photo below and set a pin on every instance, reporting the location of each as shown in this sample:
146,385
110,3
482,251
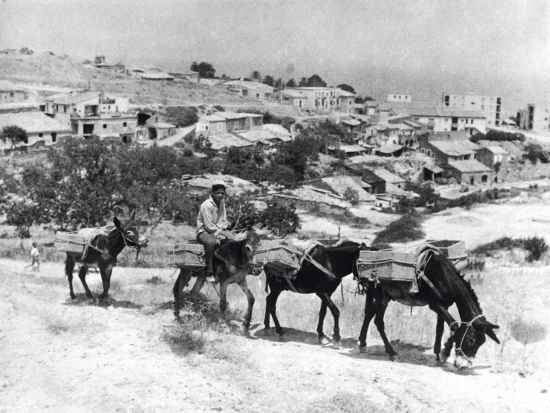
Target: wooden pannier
278,254
454,250
387,265
188,256
69,242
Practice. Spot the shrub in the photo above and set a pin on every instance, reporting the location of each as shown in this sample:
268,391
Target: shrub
219,108
352,196
407,228
182,116
188,152
536,246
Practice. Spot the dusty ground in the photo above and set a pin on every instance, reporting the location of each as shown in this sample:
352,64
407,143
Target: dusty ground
58,355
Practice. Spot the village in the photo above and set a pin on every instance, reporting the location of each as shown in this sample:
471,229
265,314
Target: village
460,144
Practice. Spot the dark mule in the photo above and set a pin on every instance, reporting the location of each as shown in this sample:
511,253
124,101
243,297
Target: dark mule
232,263
103,253
321,273
442,287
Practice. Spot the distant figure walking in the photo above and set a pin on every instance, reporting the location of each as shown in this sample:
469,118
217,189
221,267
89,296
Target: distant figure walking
35,256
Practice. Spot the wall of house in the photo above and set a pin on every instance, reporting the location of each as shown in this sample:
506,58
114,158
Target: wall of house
488,158
445,123
216,128
12,96
469,178
105,126
489,105
399,97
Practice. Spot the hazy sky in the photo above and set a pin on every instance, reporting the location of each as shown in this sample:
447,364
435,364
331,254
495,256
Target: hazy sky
500,47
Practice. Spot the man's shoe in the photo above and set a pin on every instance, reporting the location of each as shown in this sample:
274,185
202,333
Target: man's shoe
211,279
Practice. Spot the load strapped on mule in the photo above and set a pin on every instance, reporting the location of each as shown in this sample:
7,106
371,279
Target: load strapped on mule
403,267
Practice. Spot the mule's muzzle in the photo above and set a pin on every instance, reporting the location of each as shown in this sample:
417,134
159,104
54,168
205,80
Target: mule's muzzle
462,362
142,242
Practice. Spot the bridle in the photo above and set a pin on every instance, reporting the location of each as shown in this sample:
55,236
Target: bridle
468,326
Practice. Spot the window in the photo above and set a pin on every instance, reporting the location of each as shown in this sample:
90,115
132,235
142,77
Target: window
40,135
219,126
104,126
124,124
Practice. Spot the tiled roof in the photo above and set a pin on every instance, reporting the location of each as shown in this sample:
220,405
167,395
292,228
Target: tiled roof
388,176
72,97
340,184
235,115
249,85
352,148
497,150
469,165
34,122
390,148
455,148
345,93
435,110
7,86
293,94
211,118
228,140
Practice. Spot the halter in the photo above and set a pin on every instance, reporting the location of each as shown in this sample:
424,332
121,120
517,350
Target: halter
469,325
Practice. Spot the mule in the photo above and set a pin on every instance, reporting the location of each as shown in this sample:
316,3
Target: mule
103,253
232,263
320,273
441,287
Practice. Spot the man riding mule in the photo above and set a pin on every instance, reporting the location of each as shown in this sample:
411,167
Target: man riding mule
212,227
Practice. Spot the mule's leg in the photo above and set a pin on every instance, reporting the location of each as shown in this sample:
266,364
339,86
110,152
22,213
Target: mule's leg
199,282
327,301
370,311
106,281
438,335
268,300
382,305
82,275
223,296
322,315
69,267
271,309
250,298
181,282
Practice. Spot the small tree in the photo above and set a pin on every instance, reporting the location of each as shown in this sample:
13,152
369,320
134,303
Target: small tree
15,134
346,87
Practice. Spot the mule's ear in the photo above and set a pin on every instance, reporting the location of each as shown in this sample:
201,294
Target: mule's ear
133,215
117,222
492,335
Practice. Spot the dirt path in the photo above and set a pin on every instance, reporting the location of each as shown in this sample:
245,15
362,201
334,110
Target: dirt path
63,356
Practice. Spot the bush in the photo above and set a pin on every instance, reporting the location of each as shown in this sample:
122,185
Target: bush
182,116
188,152
407,228
536,246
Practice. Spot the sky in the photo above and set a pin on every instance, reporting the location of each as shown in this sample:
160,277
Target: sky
422,47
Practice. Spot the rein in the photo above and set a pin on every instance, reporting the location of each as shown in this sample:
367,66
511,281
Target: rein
328,272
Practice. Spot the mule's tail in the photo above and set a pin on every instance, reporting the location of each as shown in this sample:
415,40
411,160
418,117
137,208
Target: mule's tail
177,294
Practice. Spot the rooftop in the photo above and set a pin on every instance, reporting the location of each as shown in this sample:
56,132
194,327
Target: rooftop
469,165
228,140
73,97
388,176
455,148
435,110
34,122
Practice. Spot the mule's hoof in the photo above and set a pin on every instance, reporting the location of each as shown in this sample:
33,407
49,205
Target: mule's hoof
394,357
324,341
337,344
363,349
73,297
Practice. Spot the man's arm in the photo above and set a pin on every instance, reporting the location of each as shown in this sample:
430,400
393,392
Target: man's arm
207,215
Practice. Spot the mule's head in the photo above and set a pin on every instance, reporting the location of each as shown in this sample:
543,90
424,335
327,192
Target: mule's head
131,235
469,337
251,243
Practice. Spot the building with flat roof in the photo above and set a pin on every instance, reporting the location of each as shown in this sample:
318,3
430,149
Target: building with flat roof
489,105
399,97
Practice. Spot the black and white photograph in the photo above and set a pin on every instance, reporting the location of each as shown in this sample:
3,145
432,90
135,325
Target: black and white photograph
302,206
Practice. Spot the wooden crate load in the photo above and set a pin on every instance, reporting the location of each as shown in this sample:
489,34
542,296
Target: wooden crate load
387,265
454,250
188,256
70,242
279,255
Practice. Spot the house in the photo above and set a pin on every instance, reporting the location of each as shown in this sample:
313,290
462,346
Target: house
150,73
346,101
189,76
493,157
161,130
222,122
39,127
468,171
244,88
9,93
85,104
390,150
376,183
448,146
291,97
280,131
348,150
225,140
390,178
399,97
443,118
370,107
327,98
432,172
342,184
535,118
121,125
489,105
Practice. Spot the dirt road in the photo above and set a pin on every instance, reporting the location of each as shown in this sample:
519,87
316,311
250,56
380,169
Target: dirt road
62,356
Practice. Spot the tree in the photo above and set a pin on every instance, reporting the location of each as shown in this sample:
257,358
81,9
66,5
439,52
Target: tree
269,80
206,70
255,75
14,133
182,116
291,83
315,81
303,82
346,87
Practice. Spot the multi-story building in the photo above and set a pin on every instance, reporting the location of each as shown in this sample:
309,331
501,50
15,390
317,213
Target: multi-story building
441,118
226,122
535,118
85,104
399,97
489,105
327,98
